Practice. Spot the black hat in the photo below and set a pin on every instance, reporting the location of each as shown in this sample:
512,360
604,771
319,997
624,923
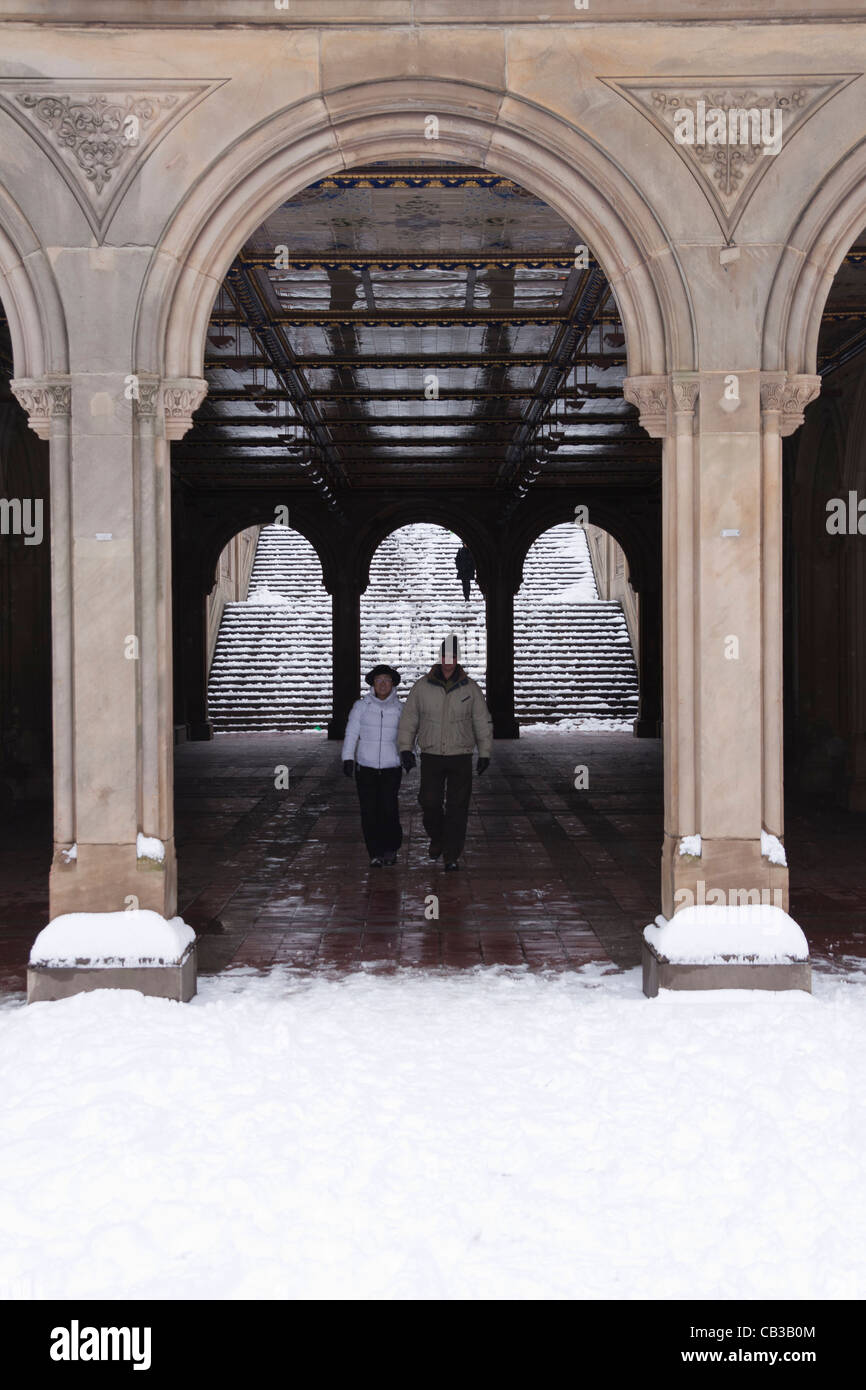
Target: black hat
383,671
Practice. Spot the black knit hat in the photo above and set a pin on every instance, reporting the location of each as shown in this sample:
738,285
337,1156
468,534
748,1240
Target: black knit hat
383,671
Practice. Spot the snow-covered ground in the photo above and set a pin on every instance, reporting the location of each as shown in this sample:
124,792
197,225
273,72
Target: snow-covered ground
468,1135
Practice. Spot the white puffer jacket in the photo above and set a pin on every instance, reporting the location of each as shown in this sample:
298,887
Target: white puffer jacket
372,729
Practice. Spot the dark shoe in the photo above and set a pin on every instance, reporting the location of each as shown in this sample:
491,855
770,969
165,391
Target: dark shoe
376,863
451,866
434,851
388,860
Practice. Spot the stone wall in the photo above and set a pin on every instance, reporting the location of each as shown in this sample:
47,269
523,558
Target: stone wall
232,581
610,568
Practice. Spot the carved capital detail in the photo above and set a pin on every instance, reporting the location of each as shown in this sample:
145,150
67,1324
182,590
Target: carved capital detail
181,397
43,399
685,393
650,395
147,402
787,396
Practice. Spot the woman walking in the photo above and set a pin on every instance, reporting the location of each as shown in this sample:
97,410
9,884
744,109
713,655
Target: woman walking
370,755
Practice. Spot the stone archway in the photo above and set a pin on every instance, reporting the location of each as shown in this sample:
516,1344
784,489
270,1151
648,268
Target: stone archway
367,122
302,144
40,353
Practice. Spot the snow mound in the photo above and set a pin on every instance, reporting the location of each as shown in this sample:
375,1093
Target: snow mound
102,939
268,598
710,934
149,847
691,844
772,848
583,591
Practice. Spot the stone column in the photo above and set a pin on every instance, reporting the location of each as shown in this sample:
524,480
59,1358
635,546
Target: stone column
500,653
346,652
111,633
649,718
722,621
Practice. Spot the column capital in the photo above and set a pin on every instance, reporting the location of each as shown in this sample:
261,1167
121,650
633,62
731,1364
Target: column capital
43,398
181,397
784,397
650,395
146,403
685,387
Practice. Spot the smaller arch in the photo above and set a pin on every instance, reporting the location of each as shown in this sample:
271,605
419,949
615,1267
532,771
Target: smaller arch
259,511
31,299
826,227
419,510
604,513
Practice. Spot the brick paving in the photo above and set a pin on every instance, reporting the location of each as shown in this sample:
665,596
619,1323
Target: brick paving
552,877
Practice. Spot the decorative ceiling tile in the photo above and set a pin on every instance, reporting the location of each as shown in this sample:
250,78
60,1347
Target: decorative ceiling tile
99,133
728,129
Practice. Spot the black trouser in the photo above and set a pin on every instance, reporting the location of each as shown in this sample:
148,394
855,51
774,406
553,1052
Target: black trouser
380,809
465,580
447,779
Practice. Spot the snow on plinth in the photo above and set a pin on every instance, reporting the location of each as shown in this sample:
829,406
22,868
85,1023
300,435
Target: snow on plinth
716,933
104,939
691,844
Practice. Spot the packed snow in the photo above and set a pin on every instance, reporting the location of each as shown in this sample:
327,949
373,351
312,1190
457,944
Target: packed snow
589,724
102,939
772,848
488,1134
268,598
709,933
149,847
691,844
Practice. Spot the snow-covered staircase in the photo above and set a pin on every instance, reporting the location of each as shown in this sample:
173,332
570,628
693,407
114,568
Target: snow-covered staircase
272,664
572,653
271,668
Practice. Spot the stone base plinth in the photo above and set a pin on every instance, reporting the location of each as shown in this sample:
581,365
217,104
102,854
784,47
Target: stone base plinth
659,973
162,981
104,878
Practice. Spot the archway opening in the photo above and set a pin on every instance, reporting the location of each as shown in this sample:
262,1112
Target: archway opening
26,793
269,636
576,634
825,622
415,599
396,346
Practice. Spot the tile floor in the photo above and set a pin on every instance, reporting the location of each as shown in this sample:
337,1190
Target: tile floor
552,877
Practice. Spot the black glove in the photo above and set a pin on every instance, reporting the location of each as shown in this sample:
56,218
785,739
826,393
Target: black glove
408,761
348,768
482,765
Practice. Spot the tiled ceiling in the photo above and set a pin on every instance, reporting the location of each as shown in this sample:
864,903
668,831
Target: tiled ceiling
423,324
415,324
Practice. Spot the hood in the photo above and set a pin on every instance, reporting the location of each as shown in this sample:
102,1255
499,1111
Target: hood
373,698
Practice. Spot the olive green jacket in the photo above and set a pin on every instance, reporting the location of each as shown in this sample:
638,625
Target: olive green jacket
446,717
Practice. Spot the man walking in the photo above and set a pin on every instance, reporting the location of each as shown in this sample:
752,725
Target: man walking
447,713
465,569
